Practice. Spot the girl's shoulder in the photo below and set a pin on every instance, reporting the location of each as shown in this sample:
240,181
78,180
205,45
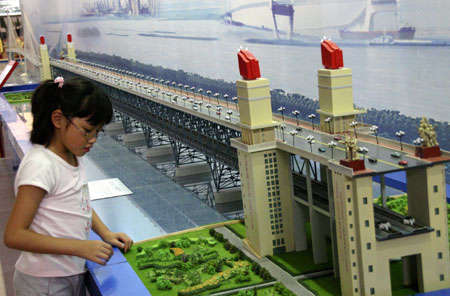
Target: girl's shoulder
38,153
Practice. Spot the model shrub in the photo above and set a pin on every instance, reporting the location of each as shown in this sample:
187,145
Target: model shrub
162,283
246,293
280,289
192,278
212,232
219,236
227,245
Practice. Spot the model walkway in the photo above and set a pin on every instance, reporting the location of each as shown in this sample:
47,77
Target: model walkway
279,274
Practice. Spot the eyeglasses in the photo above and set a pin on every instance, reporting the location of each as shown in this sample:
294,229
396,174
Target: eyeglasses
87,135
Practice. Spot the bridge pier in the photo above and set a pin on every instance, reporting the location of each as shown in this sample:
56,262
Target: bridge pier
114,129
159,154
192,173
133,140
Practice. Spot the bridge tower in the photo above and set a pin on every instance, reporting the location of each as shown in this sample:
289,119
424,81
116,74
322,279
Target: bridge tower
364,253
379,6
282,9
335,91
265,171
364,258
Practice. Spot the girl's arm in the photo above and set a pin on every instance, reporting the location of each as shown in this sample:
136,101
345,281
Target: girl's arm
19,236
118,239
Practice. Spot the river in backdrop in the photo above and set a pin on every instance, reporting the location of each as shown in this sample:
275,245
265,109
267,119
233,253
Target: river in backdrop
411,79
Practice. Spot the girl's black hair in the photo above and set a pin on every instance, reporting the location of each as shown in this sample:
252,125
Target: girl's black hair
76,98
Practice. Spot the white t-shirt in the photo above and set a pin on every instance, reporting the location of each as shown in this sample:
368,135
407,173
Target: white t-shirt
64,212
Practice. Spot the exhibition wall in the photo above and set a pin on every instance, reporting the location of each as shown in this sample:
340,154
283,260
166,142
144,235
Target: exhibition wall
399,74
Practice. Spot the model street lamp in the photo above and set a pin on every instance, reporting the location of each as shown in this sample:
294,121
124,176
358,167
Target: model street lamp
184,100
332,145
209,108
374,129
281,110
293,134
208,92
282,127
312,116
328,121
200,90
311,141
216,95
400,135
186,87
296,113
225,96
235,100
353,124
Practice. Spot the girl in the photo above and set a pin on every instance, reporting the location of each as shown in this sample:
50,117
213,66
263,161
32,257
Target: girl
52,216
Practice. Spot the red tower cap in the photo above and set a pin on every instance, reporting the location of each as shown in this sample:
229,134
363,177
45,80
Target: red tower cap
248,65
331,55
42,39
69,37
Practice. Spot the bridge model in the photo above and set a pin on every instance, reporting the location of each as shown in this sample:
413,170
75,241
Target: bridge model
339,206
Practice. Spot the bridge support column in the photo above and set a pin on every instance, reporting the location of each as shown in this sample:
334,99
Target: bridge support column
427,205
300,216
317,228
334,245
383,190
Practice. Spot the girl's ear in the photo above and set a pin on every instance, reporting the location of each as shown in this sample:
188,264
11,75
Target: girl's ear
58,119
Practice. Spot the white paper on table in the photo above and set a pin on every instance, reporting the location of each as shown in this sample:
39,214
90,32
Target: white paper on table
107,188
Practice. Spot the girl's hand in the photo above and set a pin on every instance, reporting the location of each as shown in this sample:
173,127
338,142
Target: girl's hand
118,239
95,251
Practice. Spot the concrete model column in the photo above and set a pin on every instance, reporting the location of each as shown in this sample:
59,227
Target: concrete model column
427,204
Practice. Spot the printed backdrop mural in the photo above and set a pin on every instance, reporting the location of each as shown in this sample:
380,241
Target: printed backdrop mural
196,41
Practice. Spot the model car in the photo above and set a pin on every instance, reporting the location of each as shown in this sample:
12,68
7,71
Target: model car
299,129
337,138
396,154
408,220
321,149
385,225
373,160
403,162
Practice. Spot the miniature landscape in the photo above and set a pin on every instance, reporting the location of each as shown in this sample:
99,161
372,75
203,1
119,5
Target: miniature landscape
197,262
203,262
18,97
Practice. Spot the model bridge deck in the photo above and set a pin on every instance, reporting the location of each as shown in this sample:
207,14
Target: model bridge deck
396,229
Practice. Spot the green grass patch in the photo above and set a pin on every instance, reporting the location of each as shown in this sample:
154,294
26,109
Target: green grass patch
18,97
323,286
197,264
331,286
297,263
238,229
396,281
